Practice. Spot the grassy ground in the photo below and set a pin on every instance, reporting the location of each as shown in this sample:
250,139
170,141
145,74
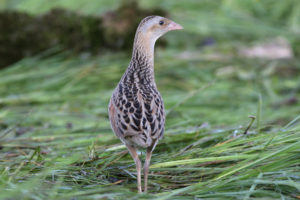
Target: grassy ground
56,142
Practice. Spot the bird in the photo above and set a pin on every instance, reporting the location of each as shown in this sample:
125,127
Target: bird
136,108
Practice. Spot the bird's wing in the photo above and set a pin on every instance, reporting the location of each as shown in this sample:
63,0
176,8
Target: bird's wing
124,117
153,115
142,115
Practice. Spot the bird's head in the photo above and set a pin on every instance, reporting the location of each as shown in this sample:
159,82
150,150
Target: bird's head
153,27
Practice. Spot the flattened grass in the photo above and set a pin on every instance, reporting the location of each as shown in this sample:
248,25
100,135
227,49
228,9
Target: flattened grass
56,141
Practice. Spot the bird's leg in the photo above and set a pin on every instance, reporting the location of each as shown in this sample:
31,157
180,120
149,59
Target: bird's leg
133,153
146,167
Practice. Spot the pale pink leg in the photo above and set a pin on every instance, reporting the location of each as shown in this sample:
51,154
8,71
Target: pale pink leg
146,168
133,153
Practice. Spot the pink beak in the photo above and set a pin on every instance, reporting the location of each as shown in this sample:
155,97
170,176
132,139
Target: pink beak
174,26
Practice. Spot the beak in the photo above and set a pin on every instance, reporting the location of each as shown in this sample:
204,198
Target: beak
174,26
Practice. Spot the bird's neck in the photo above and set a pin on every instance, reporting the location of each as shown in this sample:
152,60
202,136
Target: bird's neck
142,61
143,48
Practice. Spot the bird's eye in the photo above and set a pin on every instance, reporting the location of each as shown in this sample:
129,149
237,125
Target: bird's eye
161,22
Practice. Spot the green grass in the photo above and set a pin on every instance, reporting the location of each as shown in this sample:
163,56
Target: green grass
56,141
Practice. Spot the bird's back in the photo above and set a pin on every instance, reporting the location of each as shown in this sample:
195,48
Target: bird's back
136,109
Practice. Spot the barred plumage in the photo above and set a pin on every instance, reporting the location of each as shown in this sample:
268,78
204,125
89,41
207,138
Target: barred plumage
139,110
136,108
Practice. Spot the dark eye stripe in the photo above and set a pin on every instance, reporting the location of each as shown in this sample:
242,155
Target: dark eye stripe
161,22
